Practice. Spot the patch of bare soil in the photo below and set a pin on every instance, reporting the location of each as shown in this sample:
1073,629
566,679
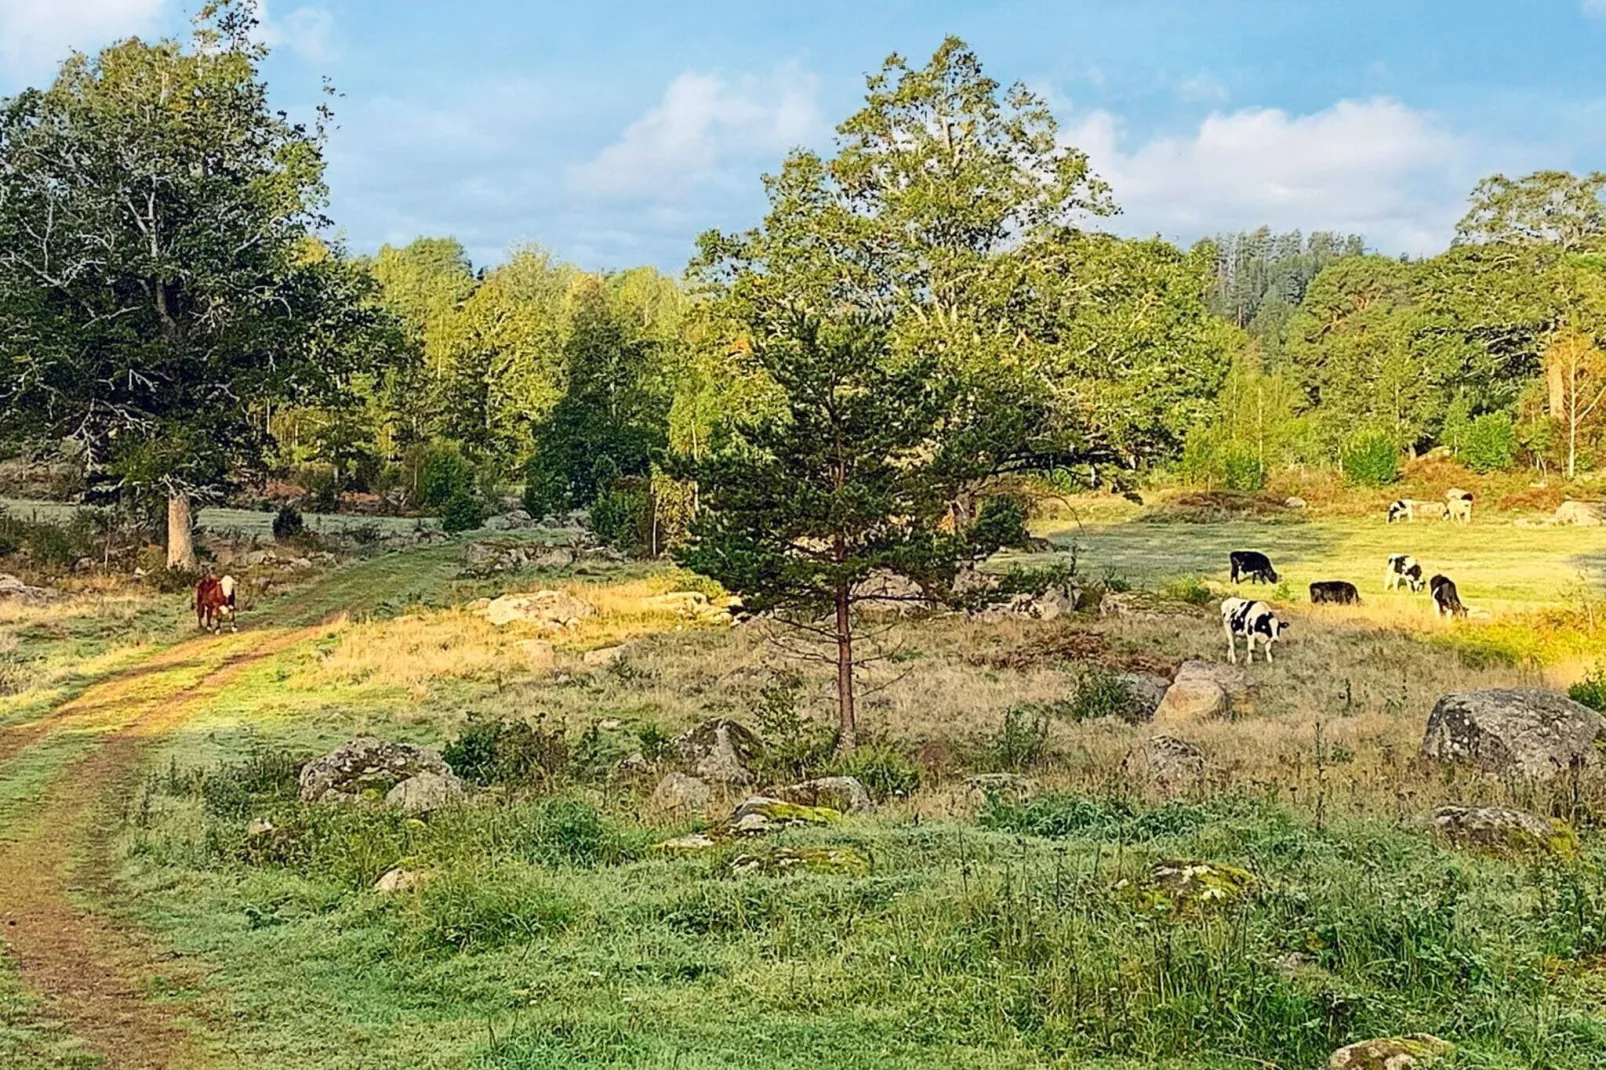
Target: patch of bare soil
96,973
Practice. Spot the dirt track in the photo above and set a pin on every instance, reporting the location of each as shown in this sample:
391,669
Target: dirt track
94,973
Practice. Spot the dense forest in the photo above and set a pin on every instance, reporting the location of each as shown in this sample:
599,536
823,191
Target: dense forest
205,338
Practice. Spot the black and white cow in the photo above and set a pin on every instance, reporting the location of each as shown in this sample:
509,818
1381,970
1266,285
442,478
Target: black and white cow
1403,568
1251,565
1253,621
1446,599
1337,592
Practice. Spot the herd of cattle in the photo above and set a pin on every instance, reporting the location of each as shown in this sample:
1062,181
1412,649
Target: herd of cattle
1256,623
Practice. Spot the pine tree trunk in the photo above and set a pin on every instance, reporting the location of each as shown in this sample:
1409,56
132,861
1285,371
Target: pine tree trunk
848,739
180,546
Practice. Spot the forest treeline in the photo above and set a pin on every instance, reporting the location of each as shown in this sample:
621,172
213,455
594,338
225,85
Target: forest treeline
212,338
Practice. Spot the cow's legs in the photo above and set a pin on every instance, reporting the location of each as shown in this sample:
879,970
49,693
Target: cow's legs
1232,645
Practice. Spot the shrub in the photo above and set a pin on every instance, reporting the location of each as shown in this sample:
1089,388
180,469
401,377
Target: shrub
621,516
1591,690
883,768
494,751
443,474
1371,460
795,745
1101,693
1241,469
463,511
1021,741
1491,443
464,910
1190,589
288,524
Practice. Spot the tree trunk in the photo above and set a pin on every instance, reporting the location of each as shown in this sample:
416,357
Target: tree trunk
848,739
180,546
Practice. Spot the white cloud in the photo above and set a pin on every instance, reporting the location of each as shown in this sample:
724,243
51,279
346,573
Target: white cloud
1373,167
309,32
35,35
702,126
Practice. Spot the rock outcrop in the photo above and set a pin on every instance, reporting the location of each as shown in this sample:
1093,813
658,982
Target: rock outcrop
1580,514
425,793
544,609
1202,690
1500,830
366,768
843,793
1520,732
678,793
720,750
1415,1052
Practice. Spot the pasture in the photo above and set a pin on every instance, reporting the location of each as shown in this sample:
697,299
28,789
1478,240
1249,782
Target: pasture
988,933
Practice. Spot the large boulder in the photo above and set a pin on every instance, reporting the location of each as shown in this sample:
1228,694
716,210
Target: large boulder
845,793
762,813
838,861
1202,690
545,609
720,750
367,768
678,793
1581,514
887,592
1515,731
1192,887
425,793
1500,830
1415,1052
1147,690
14,590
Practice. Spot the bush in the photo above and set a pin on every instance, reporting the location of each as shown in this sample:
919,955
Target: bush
493,751
1241,469
795,745
622,516
883,769
1371,460
1591,690
1101,693
1021,742
1491,443
1190,589
288,524
443,474
463,511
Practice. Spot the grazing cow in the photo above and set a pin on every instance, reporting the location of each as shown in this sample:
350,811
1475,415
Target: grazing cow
1251,565
1446,599
1254,621
214,603
1338,592
1458,505
1403,568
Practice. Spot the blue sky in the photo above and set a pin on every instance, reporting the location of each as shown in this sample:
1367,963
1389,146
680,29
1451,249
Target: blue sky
614,131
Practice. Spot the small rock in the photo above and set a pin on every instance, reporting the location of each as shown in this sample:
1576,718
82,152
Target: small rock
1504,831
603,656
842,793
425,793
1011,786
1414,1052
259,826
779,861
1294,502
399,880
1148,690
539,655
694,843
366,768
1182,887
1582,514
720,750
679,793
1515,731
301,563
1174,765
778,813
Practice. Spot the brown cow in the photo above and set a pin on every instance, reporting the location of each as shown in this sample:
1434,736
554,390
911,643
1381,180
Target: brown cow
214,602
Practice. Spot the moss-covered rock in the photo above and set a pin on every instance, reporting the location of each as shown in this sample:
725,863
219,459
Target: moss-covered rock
1502,831
1415,1052
777,861
760,814
692,844
1184,887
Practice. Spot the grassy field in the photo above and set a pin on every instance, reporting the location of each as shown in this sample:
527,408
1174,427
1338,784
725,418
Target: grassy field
995,934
